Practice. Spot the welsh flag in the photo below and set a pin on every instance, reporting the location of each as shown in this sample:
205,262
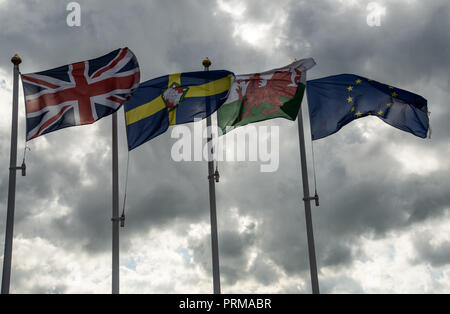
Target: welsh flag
273,94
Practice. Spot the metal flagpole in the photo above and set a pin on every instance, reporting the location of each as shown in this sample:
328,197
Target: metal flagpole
12,181
212,177
115,207
307,200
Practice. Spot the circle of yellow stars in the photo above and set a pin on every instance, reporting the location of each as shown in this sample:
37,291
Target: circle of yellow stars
350,99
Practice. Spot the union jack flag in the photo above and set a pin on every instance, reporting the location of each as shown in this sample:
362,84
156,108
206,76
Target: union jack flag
80,93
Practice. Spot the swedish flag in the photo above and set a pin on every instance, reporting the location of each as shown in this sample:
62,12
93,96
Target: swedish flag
173,99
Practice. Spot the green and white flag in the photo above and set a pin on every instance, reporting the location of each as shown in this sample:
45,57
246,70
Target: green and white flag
273,94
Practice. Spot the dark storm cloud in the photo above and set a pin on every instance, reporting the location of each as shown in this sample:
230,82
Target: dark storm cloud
163,31
264,272
380,199
158,197
54,185
177,34
234,254
411,44
154,31
435,255
401,50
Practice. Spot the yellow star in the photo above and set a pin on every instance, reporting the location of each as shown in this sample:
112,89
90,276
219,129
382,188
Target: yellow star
358,114
380,113
350,99
358,81
389,105
353,108
394,94
390,87
350,88
370,80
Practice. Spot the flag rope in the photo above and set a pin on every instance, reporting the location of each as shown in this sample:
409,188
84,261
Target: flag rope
122,217
26,147
314,165
429,126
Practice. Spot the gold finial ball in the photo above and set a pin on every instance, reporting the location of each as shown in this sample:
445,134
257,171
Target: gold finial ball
206,63
16,59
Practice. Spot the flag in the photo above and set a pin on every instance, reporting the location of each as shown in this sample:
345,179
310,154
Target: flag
173,99
79,93
335,101
256,97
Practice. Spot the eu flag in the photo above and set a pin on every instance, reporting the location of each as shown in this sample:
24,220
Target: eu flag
335,101
173,99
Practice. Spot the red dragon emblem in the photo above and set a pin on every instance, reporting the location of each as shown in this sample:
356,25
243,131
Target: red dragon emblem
268,93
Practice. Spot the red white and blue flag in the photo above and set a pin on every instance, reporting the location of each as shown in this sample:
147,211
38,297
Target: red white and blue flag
80,93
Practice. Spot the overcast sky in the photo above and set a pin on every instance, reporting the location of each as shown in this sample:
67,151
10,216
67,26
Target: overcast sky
383,224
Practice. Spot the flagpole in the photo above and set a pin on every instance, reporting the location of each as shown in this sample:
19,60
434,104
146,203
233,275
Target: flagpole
115,206
307,200
212,176
12,181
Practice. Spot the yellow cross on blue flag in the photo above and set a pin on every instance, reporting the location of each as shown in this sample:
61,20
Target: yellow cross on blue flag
173,99
335,101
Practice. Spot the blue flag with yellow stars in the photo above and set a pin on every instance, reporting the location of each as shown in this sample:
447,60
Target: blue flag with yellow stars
173,99
335,101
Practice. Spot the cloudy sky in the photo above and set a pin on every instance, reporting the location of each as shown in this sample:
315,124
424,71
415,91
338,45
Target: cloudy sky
383,223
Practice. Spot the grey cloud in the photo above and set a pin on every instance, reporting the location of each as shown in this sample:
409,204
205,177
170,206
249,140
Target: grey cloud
265,273
25,277
435,255
400,48
234,252
340,284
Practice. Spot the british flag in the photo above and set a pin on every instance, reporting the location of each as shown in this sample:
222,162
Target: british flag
80,93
